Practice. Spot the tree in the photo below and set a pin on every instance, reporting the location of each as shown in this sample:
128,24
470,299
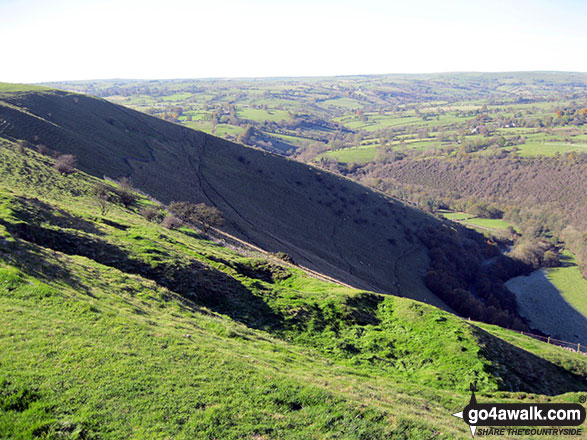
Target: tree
151,213
126,197
65,163
125,183
103,195
171,222
21,147
43,149
245,136
207,216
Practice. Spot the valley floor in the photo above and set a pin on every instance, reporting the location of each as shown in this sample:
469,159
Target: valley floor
546,309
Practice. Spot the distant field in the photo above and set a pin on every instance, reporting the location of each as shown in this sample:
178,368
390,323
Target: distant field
550,148
177,97
260,115
490,223
570,283
285,137
346,103
421,110
11,88
377,122
222,130
455,215
470,220
226,129
353,155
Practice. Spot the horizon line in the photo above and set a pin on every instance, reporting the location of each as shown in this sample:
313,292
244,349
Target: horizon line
231,78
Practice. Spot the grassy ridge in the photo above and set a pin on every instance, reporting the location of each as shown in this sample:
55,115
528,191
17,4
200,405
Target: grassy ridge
113,327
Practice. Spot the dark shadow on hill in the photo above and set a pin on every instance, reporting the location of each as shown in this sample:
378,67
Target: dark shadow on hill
192,279
33,261
566,261
32,210
542,304
520,370
460,274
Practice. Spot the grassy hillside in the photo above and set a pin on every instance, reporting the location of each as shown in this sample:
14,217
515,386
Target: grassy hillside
349,232
568,280
113,327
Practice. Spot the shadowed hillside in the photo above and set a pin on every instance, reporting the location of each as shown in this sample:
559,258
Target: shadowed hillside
321,220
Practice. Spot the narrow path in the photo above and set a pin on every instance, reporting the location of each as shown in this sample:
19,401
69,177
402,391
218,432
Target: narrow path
127,159
333,239
202,180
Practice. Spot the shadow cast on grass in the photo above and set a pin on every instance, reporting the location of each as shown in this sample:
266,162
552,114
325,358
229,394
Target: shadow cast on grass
566,261
193,280
520,370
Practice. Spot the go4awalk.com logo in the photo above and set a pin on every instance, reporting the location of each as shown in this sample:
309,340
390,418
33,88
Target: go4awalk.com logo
508,418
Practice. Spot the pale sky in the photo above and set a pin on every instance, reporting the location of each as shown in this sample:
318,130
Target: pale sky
144,39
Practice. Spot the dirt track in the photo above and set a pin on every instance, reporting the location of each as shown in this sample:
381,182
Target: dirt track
545,308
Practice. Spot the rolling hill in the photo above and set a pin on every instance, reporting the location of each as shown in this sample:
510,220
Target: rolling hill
322,221
112,326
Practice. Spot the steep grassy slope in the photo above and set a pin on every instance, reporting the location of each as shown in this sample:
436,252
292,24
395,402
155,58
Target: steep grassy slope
349,232
113,327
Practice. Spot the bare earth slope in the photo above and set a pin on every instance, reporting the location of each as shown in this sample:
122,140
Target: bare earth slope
324,222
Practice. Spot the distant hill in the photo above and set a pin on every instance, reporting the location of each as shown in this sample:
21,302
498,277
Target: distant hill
322,221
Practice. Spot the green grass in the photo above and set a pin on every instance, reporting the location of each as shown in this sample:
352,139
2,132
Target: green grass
353,155
455,215
222,130
228,130
550,148
114,327
471,220
15,88
489,223
346,103
260,115
177,97
293,139
568,280
377,122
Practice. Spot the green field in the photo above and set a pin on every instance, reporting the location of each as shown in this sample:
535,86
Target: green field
550,148
177,97
568,280
489,223
471,220
353,155
263,115
455,215
12,88
346,103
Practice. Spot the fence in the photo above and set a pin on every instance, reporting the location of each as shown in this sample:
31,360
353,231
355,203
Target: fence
572,346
